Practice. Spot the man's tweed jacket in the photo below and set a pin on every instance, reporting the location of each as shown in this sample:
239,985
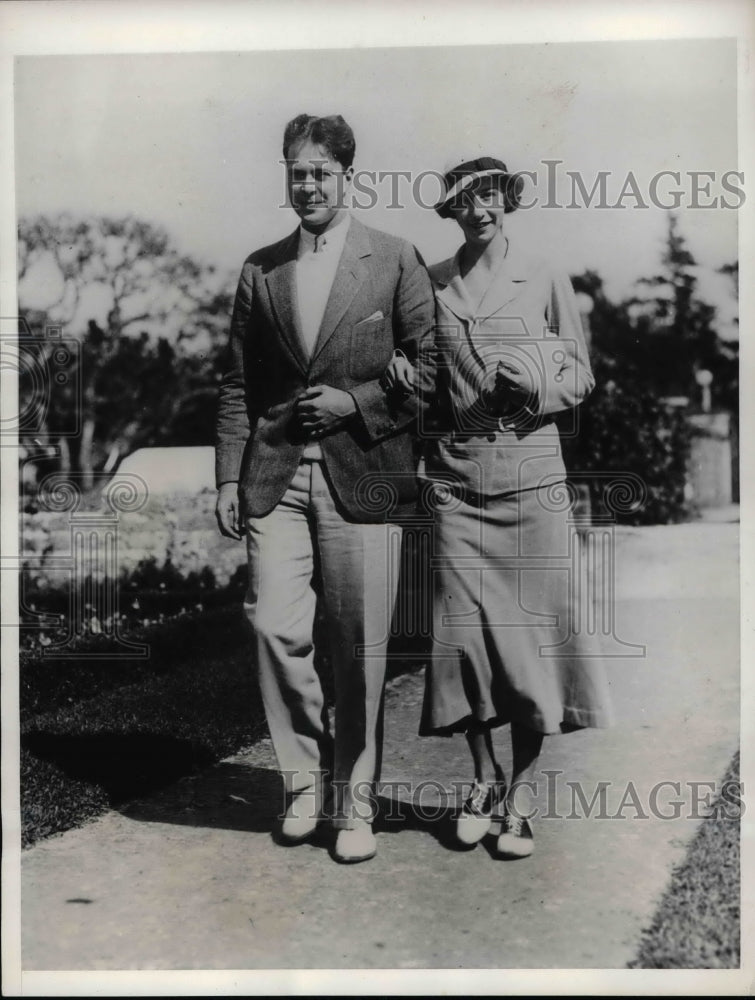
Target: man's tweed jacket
381,300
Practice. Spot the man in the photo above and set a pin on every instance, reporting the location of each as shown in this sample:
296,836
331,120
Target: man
313,462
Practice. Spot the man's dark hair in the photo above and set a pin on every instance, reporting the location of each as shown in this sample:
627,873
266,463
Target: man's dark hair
331,132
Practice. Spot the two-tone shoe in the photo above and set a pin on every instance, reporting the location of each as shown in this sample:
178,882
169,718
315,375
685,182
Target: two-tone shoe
476,815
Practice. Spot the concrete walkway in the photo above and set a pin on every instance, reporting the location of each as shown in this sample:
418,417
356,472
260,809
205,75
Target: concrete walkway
191,879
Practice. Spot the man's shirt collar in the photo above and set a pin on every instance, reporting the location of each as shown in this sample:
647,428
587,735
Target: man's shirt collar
332,240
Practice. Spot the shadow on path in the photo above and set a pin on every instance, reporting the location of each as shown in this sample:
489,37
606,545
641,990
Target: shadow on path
122,764
248,798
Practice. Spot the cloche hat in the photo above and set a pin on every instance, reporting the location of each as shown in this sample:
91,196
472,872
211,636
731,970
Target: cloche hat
460,173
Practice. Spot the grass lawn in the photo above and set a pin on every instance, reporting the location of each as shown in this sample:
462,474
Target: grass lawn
98,732
697,923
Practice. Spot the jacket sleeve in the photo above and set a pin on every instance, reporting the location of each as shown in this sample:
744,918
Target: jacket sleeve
232,426
553,373
568,377
413,321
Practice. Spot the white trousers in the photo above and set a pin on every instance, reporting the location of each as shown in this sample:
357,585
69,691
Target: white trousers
303,544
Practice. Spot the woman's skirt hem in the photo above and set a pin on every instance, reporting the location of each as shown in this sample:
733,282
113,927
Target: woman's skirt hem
572,722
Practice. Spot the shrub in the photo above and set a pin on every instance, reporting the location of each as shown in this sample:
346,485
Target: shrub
150,594
626,429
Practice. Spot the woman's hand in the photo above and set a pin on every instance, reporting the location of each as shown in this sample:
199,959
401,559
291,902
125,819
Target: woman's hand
507,391
508,384
399,375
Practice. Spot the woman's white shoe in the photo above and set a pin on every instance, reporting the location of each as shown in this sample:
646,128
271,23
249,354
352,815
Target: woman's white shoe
516,839
475,818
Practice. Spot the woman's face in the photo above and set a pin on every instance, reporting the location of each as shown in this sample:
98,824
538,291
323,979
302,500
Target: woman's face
481,211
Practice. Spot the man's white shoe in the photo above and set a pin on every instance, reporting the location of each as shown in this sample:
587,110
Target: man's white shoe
302,816
355,845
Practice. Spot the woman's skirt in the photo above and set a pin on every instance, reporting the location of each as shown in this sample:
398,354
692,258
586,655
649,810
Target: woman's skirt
515,635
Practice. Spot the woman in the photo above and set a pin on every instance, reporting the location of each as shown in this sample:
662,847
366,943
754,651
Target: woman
507,647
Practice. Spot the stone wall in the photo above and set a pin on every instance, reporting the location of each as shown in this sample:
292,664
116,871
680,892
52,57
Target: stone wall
179,527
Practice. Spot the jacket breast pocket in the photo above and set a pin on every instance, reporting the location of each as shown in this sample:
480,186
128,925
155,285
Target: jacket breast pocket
371,348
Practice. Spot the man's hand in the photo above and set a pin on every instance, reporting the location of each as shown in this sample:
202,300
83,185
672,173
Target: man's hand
323,409
227,511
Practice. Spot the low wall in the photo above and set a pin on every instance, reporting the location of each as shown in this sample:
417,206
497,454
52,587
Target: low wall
711,460
179,527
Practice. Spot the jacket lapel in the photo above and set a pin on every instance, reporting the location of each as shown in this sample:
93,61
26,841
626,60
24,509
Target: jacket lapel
281,286
449,288
507,284
350,276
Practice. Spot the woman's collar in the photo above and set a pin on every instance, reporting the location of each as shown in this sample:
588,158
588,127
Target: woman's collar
504,286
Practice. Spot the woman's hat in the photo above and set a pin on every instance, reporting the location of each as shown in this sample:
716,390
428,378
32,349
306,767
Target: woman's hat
460,174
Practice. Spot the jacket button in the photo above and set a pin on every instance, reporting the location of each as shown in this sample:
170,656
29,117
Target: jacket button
491,438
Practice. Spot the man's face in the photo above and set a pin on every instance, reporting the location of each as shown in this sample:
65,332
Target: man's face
317,184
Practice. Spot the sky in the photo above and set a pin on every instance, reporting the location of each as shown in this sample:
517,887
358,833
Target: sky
192,142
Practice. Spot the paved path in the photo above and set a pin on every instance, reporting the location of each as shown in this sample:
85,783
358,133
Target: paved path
191,878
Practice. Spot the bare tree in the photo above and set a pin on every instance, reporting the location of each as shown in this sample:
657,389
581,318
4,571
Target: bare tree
138,307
